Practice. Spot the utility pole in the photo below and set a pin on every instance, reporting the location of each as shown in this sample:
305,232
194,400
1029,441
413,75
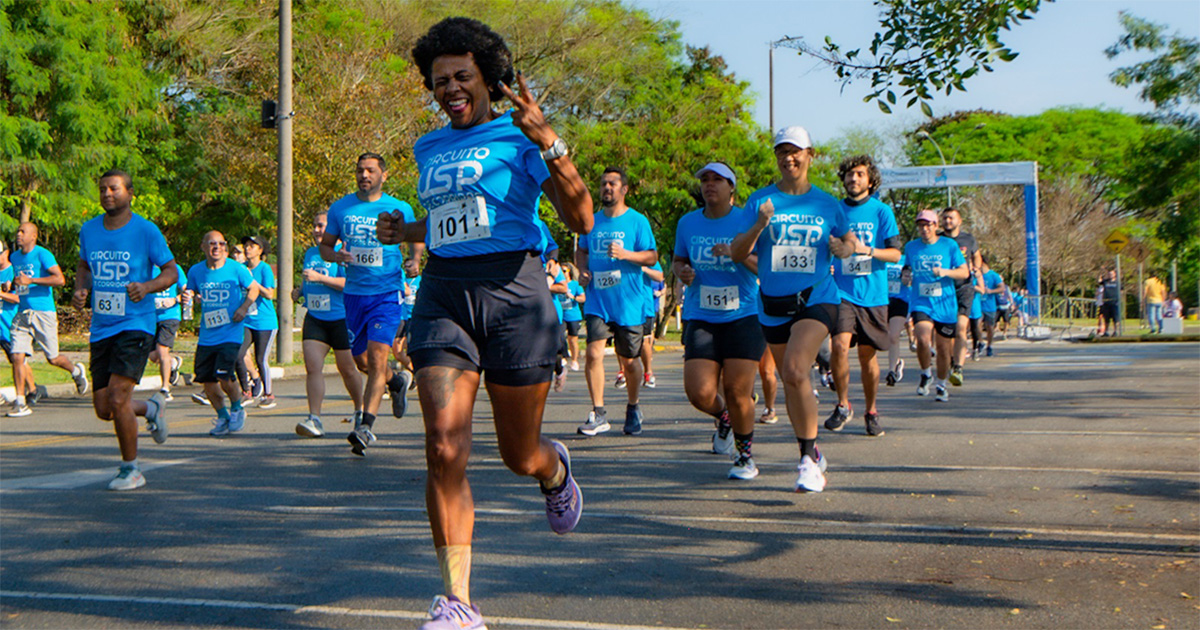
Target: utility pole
786,42
284,238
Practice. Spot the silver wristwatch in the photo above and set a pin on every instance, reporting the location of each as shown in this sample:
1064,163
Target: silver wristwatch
556,150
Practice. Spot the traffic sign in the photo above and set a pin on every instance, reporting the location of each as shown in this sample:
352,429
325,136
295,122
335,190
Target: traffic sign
1116,241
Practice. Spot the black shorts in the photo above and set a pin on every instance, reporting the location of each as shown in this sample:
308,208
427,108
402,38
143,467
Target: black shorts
486,313
402,330
165,333
966,298
866,324
331,332
648,327
824,313
6,346
989,319
1109,312
627,340
1003,314
573,328
949,330
216,363
738,339
123,354
897,308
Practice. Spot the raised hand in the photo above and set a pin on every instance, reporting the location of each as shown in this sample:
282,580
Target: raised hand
766,210
527,115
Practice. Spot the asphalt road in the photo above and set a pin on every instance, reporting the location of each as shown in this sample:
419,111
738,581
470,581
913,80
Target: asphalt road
1059,488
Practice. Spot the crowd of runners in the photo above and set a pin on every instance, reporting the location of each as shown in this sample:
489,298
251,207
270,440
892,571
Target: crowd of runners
784,284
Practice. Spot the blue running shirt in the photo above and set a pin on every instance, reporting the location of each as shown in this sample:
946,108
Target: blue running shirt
221,291
862,279
35,265
991,280
931,295
117,257
321,301
481,186
793,251
618,292
569,305
8,310
407,302
723,290
261,315
376,268
172,292
895,283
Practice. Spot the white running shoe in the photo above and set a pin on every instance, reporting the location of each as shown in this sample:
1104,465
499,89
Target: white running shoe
723,445
743,468
942,394
310,427
810,479
128,478
81,383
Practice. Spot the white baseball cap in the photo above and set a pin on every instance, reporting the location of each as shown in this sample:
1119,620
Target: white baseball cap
720,169
793,135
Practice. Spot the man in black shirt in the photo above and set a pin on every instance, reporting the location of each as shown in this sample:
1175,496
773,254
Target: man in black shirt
1110,296
952,229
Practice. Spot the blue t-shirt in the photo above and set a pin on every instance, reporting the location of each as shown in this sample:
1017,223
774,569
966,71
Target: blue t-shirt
793,251
723,290
35,264
261,315
175,311
8,310
321,301
558,304
991,280
618,293
932,295
481,187
896,288
116,258
570,307
221,292
407,302
651,287
976,306
376,268
862,279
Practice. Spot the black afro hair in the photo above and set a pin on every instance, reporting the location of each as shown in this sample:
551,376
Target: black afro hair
460,36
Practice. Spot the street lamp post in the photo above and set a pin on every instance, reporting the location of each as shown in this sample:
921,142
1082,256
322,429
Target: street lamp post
787,42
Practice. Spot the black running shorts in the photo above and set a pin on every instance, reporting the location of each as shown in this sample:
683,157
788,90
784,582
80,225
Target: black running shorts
944,329
216,363
738,339
331,332
627,340
123,354
824,313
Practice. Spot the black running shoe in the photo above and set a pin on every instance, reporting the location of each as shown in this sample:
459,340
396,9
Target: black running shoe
838,419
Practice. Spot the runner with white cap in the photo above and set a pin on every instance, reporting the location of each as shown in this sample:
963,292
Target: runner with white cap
796,228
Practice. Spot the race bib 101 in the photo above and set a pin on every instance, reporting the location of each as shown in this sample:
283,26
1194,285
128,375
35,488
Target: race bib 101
719,298
793,259
459,220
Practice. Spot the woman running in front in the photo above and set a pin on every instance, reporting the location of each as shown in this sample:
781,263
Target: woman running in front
723,341
795,229
484,305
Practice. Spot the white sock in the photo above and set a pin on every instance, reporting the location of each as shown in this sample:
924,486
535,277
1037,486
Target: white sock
928,372
20,401
77,371
133,463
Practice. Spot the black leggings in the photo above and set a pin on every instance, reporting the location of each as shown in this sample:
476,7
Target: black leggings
262,345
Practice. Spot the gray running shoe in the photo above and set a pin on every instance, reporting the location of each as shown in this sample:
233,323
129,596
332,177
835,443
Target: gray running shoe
873,428
237,420
838,419
360,438
128,478
923,387
176,363
400,395
200,399
942,394
220,427
310,427
743,468
723,445
594,425
156,417
564,505
19,411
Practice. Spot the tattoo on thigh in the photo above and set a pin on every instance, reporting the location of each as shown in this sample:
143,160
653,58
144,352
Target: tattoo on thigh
439,382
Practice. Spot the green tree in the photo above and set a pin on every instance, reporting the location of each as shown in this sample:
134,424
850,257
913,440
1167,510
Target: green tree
78,101
927,46
1159,182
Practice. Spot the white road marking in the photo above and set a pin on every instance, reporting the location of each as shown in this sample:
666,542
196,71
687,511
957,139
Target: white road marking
838,525
78,478
1069,364
297,609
